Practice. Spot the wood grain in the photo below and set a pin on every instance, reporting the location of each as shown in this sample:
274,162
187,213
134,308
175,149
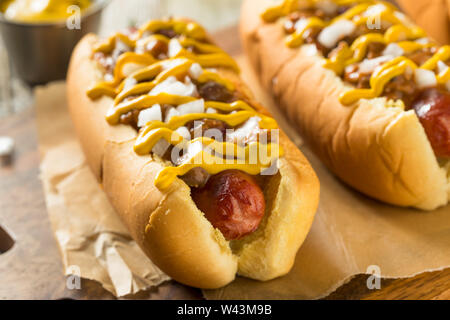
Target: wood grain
32,268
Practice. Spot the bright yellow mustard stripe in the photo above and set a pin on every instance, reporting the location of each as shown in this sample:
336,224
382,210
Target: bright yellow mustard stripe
232,119
358,49
144,144
212,164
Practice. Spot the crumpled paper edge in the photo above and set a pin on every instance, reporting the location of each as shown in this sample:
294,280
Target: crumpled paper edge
103,251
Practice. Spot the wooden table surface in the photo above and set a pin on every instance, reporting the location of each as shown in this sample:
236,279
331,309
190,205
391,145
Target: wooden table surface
32,269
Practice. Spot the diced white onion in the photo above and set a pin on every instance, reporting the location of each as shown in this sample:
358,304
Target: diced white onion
423,41
196,106
172,86
195,71
301,24
140,45
171,113
211,110
184,132
174,47
150,114
161,147
109,77
120,48
330,36
442,66
245,132
393,50
129,68
169,64
425,78
195,148
375,10
191,151
129,82
369,65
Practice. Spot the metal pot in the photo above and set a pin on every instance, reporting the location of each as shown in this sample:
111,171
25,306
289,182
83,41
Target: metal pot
40,52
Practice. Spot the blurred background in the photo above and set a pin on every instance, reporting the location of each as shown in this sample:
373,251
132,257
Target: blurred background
16,94
213,14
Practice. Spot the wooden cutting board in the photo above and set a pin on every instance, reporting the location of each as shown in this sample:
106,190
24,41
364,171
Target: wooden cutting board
30,264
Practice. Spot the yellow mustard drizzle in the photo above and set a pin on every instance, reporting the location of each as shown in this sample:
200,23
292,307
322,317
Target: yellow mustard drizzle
189,29
226,155
148,137
357,51
379,79
155,70
211,56
145,143
296,39
398,33
208,162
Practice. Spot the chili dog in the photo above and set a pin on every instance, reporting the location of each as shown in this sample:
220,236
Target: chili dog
366,87
169,130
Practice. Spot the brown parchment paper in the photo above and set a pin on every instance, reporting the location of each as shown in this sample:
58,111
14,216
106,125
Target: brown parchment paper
350,234
94,243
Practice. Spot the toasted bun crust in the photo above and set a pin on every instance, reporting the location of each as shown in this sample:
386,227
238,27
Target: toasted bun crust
433,16
381,151
168,226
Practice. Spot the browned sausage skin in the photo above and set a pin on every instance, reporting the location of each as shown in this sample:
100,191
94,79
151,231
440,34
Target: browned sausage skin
233,202
433,109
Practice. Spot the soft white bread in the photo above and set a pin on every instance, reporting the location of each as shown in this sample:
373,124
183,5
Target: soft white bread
381,151
167,225
433,16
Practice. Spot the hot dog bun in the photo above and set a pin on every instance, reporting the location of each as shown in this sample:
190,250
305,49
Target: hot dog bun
168,226
379,150
433,16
